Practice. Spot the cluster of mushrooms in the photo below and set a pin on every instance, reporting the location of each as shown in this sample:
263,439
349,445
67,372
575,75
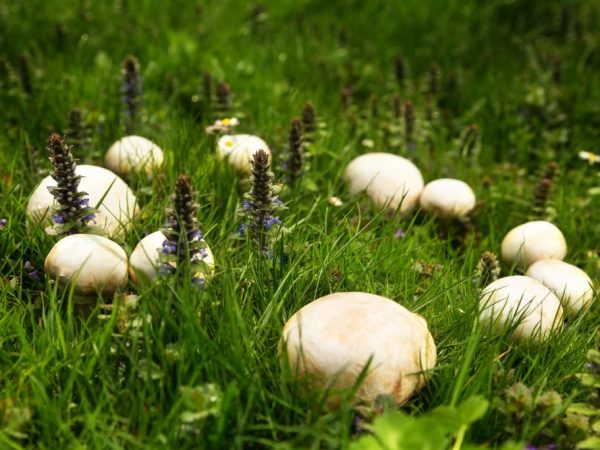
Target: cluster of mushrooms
333,340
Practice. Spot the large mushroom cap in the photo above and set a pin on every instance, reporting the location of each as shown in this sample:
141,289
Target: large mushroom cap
116,211
523,303
389,180
332,339
569,283
239,150
533,241
448,198
134,154
92,263
145,258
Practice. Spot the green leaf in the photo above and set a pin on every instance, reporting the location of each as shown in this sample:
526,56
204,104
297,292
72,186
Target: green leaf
592,443
582,408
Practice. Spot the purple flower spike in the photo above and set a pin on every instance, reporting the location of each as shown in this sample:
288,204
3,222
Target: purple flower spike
241,230
399,233
271,221
169,247
59,218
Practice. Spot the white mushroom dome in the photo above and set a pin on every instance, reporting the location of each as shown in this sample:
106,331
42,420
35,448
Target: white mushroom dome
448,198
568,282
118,207
145,258
239,149
533,241
332,339
134,154
91,263
522,304
389,180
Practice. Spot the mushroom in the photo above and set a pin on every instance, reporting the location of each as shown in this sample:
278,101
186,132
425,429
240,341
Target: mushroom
569,283
522,303
448,198
134,154
118,205
332,339
91,263
145,259
389,180
531,242
238,150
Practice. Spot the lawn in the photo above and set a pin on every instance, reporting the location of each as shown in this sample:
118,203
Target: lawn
489,92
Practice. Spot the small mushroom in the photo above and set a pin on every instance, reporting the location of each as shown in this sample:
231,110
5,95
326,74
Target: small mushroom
92,263
134,154
116,211
145,259
569,283
523,303
389,180
238,150
448,198
531,242
332,339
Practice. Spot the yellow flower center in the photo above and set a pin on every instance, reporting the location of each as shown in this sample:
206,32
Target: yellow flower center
229,143
226,122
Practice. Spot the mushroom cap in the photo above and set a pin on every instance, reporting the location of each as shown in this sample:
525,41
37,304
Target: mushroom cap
239,149
523,303
332,339
533,241
448,198
569,283
145,259
389,180
116,211
133,154
92,263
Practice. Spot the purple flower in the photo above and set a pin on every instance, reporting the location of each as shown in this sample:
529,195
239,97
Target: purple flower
3,223
195,235
246,205
199,281
277,201
32,272
399,233
88,218
59,218
271,221
84,202
169,247
241,230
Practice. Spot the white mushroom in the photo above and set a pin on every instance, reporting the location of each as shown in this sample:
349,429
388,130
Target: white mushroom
238,150
389,180
92,263
448,198
134,154
118,205
145,259
569,283
533,241
522,304
331,340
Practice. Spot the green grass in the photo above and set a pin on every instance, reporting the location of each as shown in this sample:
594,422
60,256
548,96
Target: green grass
86,385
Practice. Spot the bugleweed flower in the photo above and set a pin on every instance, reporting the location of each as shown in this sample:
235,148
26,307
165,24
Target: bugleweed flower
223,94
488,269
309,121
409,125
25,74
542,191
73,211
469,141
132,93
78,133
294,162
260,204
184,246
400,70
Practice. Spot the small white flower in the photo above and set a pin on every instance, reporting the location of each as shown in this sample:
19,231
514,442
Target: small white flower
592,158
222,125
335,201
